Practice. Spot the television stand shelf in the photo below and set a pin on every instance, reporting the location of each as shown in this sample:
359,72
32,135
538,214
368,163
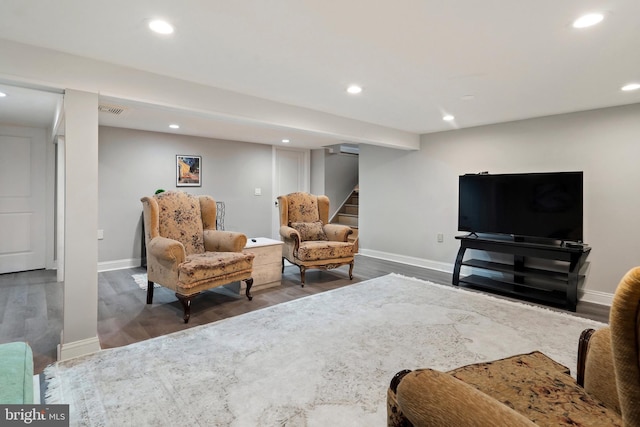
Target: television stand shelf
555,283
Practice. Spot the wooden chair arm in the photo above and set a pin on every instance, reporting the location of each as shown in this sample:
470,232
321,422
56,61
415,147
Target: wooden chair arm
583,347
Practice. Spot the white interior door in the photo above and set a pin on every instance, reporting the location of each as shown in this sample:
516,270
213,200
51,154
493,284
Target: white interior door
290,174
22,199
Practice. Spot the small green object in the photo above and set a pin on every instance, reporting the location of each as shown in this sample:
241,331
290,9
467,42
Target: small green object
16,374
159,190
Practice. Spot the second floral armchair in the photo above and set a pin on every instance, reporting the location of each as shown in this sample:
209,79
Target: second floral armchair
310,242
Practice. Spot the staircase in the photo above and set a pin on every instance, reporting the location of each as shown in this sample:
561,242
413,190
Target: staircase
348,215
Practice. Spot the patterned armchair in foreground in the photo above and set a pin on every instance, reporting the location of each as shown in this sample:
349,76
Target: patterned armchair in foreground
531,389
309,240
186,253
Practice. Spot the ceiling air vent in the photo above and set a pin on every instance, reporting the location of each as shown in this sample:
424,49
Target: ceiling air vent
344,149
349,149
111,109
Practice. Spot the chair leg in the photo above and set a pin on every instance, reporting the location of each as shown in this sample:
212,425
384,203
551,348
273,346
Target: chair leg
351,270
283,264
302,271
149,291
186,305
249,283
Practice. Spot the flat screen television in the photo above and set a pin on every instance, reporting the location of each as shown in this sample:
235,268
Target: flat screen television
541,205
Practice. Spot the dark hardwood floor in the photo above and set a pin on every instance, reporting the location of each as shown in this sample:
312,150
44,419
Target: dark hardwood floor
31,303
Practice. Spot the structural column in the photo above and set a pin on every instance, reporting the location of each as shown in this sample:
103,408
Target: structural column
80,309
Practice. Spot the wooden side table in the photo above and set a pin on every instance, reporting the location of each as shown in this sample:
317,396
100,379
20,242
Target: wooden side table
267,265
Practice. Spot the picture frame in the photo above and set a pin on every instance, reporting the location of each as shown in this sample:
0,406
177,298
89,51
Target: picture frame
188,171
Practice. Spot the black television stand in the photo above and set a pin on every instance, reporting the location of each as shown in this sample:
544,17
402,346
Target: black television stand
554,280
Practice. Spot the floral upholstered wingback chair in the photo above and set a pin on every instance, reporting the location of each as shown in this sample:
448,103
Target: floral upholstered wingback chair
186,253
532,389
309,240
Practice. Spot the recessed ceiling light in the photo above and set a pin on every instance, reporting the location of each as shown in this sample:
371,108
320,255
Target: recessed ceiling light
468,97
630,87
588,20
285,141
174,126
448,118
354,89
161,27
2,94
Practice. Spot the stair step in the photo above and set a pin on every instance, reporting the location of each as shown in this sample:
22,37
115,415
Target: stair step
354,227
350,209
347,219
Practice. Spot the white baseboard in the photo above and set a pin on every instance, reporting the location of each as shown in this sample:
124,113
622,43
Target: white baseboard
78,348
119,264
595,297
403,259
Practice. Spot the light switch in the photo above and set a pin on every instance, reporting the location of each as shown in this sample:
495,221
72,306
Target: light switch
100,234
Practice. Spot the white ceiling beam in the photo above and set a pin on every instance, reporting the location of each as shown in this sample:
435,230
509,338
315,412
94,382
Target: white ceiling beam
44,67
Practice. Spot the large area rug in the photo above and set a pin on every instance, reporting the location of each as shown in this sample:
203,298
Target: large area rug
323,360
141,281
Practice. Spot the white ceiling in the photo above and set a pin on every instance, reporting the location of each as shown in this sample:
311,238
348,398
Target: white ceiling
482,61
28,107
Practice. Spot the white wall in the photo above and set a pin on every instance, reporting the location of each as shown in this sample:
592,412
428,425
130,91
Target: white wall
407,198
317,171
334,175
133,164
341,176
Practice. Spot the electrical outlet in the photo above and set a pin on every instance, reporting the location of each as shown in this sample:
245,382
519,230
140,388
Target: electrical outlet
257,192
440,237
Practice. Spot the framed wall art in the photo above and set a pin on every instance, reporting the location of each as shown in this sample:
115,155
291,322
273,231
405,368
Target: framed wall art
188,171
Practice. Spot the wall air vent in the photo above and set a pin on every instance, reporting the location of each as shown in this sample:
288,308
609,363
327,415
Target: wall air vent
111,109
